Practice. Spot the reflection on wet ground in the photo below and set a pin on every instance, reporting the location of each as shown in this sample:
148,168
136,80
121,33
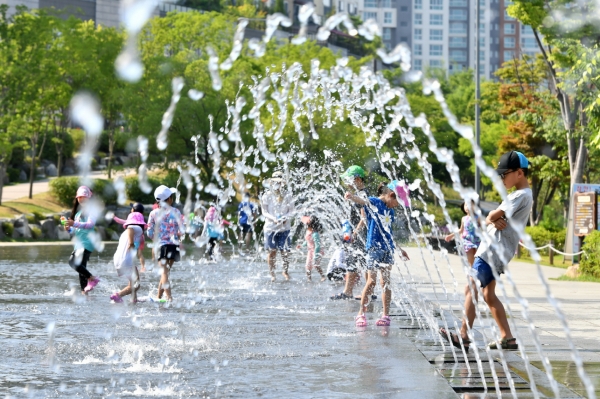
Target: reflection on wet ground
566,373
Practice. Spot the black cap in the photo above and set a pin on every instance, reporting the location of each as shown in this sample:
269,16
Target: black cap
137,207
512,160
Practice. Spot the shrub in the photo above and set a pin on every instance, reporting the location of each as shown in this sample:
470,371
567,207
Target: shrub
456,214
38,215
36,232
590,260
31,219
13,174
8,228
135,193
541,237
65,188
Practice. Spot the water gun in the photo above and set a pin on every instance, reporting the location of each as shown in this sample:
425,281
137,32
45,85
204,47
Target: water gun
63,221
347,231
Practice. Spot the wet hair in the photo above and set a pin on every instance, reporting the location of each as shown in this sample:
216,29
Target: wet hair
74,209
382,188
314,224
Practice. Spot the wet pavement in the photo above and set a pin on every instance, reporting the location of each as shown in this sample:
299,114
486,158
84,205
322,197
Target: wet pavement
229,333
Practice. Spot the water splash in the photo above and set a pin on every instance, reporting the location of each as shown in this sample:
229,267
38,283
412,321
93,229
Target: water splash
161,139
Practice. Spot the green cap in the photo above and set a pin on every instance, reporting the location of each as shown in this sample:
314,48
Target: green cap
354,171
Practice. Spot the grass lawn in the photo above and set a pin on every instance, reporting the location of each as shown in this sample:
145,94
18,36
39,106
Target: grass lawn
43,203
584,277
558,261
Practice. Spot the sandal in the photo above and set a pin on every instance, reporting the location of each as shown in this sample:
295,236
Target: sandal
341,295
504,344
384,321
360,321
454,340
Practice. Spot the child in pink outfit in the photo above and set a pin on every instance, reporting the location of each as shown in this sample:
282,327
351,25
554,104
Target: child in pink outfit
313,242
135,207
214,225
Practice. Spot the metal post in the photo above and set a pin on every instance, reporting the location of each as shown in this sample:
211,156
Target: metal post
477,94
551,253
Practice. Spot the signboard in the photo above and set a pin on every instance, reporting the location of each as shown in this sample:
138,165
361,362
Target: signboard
584,213
573,244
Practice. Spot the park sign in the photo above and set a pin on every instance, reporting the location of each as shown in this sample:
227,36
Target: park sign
573,243
584,213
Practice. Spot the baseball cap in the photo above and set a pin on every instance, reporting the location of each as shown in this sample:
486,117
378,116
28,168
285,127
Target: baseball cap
512,160
277,176
162,193
354,171
137,207
83,191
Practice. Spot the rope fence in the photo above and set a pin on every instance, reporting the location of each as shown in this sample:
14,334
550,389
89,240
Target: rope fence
551,247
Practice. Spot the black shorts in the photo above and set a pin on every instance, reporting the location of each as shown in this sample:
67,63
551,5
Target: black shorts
169,252
246,228
356,257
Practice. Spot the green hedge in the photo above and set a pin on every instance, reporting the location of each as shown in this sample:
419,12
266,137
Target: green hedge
65,188
590,261
541,237
135,193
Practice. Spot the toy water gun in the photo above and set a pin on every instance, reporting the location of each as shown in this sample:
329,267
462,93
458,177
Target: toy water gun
63,221
347,231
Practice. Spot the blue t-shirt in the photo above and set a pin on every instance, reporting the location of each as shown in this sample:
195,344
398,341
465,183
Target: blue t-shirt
244,207
379,225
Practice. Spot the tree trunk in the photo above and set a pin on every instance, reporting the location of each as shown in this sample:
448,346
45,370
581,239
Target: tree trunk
111,146
32,166
59,161
2,174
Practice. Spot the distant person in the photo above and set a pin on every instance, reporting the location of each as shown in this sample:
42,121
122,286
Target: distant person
167,225
356,256
214,226
278,209
468,233
81,224
246,211
129,245
196,221
312,240
513,169
337,267
136,207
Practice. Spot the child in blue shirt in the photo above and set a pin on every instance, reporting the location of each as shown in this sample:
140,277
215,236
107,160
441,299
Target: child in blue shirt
380,248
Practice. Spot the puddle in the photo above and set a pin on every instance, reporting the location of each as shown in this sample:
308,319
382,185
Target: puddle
566,374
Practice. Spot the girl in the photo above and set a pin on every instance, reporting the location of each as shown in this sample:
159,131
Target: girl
313,241
170,228
467,229
82,224
380,247
214,227
136,207
130,241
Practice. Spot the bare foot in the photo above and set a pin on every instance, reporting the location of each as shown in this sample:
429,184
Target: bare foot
286,276
272,279
323,278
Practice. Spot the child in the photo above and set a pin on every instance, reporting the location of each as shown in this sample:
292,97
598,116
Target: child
337,267
246,211
214,227
83,224
513,170
380,248
313,242
130,241
170,228
136,207
468,233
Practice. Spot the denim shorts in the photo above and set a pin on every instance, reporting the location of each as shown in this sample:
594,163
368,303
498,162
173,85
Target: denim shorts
377,258
277,241
483,272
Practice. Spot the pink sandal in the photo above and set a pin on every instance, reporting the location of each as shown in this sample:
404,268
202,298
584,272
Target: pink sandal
384,321
360,321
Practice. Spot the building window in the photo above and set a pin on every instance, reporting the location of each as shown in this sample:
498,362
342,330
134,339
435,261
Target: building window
417,65
436,5
404,8
507,17
369,15
526,30
370,3
481,28
436,19
387,33
435,49
387,17
403,39
458,56
458,3
403,23
509,29
458,27
341,5
528,42
509,55
458,15
418,4
436,34
509,42
418,34
435,63
482,42
418,19
481,55
458,42
387,3
418,49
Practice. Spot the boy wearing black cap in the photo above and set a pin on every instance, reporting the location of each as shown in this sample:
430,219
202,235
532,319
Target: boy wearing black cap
496,253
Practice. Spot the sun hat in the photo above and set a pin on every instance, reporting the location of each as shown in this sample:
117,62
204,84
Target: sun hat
511,161
162,193
137,207
277,176
305,219
135,218
211,214
84,191
401,190
354,171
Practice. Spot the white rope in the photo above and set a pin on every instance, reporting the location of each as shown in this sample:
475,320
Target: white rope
552,248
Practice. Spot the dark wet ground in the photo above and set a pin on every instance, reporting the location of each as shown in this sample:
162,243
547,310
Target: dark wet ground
229,333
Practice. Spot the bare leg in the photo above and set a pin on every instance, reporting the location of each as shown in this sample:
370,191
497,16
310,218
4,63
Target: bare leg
125,291
469,309
471,256
165,279
497,309
286,263
271,258
162,264
367,291
248,238
134,284
386,288
351,279
142,260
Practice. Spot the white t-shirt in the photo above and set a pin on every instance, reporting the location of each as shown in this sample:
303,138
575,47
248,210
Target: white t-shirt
275,211
501,249
123,258
337,261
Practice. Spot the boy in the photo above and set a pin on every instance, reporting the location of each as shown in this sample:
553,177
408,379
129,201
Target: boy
513,170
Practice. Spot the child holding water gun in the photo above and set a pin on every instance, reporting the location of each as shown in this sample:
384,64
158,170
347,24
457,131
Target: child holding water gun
81,224
129,244
313,242
139,208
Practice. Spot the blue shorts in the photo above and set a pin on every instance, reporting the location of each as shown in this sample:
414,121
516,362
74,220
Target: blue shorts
483,272
278,241
377,258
